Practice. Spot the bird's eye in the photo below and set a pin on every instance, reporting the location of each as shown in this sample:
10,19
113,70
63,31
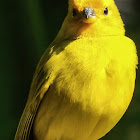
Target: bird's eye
74,12
106,11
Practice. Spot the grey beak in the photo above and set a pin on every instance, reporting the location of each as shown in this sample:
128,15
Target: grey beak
88,12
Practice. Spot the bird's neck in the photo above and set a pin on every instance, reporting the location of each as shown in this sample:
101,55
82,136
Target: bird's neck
71,30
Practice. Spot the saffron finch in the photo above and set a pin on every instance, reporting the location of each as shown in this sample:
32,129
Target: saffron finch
85,80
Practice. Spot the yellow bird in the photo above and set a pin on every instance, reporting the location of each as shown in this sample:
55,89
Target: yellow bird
85,80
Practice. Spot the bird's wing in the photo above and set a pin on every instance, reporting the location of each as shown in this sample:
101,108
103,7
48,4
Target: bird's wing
40,84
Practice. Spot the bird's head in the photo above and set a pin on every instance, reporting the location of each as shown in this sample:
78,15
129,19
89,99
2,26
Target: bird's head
92,18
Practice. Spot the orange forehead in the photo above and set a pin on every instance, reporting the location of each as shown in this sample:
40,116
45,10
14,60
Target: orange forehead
80,4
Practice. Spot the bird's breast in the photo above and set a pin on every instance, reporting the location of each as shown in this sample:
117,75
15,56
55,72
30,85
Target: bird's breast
92,71
93,86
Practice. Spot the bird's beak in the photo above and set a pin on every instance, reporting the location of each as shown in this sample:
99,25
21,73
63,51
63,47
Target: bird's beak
89,15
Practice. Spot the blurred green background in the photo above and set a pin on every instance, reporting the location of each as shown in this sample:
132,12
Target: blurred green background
27,27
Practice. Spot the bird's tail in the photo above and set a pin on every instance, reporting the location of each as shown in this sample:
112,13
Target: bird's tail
26,121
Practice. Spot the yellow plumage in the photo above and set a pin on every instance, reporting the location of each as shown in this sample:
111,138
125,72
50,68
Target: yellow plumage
85,80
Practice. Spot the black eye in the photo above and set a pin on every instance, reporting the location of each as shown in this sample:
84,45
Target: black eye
106,11
74,12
